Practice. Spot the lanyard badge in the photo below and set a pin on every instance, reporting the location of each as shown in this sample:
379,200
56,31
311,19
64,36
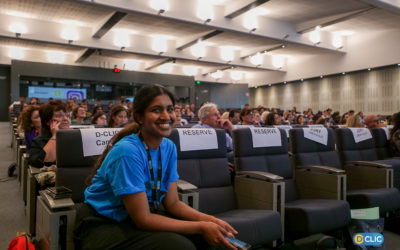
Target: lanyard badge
155,185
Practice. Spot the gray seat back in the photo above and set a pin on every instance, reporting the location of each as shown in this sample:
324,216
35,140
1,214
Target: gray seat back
267,159
309,152
208,170
382,144
349,150
72,167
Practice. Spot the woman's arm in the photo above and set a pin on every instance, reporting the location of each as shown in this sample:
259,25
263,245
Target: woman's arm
138,208
50,147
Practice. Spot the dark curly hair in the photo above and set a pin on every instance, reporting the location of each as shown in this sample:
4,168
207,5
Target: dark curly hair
25,121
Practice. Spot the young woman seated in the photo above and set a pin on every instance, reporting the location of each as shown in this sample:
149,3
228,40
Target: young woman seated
134,177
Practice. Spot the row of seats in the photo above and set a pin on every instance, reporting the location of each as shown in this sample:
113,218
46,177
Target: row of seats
268,192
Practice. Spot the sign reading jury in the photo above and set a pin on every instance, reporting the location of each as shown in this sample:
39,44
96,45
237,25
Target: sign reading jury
197,139
361,134
317,134
95,140
266,137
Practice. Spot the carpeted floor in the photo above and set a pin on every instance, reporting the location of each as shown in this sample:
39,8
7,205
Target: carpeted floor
12,213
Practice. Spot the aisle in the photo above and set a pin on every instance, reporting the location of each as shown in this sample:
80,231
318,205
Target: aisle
12,215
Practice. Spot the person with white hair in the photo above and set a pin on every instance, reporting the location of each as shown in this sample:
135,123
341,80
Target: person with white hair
210,117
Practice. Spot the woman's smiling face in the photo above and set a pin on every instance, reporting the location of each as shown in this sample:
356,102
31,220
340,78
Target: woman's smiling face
159,117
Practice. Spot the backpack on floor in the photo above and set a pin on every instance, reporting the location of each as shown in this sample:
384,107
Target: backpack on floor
21,243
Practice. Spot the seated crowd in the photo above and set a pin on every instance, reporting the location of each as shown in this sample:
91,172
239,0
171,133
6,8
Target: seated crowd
148,123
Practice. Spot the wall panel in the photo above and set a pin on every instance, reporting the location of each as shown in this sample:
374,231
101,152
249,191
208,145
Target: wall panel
375,91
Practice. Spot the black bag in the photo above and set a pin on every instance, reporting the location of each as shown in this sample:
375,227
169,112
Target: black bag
11,169
329,243
366,226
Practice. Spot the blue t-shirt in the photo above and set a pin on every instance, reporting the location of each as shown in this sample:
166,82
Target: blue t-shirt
125,170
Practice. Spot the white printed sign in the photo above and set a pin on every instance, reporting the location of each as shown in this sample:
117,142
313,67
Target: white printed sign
284,127
316,126
95,140
197,139
316,134
242,126
81,126
387,132
266,137
361,134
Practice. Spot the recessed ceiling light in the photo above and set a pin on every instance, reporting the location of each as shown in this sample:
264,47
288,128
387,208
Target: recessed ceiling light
343,73
302,79
284,82
369,69
321,76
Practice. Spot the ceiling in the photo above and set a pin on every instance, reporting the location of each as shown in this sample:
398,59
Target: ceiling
147,37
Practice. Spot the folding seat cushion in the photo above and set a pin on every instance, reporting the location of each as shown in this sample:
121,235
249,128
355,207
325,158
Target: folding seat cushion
349,150
72,166
303,217
309,152
208,170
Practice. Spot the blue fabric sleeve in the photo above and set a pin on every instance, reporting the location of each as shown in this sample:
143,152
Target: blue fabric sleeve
127,175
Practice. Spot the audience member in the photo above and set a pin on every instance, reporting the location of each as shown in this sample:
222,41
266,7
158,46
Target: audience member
210,118
120,197
272,119
54,117
79,115
300,120
234,116
29,124
187,111
97,109
99,118
354,121
118,116
179,120
372,121
33,101
395,135
246,117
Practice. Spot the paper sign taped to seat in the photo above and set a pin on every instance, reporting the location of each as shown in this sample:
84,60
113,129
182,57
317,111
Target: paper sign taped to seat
95,140
81,126
317,134
284,127
242,126
361,134
197,139
266,137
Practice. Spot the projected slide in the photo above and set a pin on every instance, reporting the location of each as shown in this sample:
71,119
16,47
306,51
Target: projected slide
56,93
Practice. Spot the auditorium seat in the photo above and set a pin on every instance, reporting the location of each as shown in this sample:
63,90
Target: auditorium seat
311,204
309,152
72,167
350,151
208,170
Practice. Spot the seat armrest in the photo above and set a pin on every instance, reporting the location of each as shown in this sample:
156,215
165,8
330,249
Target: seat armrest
367,164
188,194
320,183
184,185
364,177
261,175
329,170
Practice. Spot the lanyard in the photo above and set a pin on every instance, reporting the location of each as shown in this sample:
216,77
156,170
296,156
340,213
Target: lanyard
155,186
